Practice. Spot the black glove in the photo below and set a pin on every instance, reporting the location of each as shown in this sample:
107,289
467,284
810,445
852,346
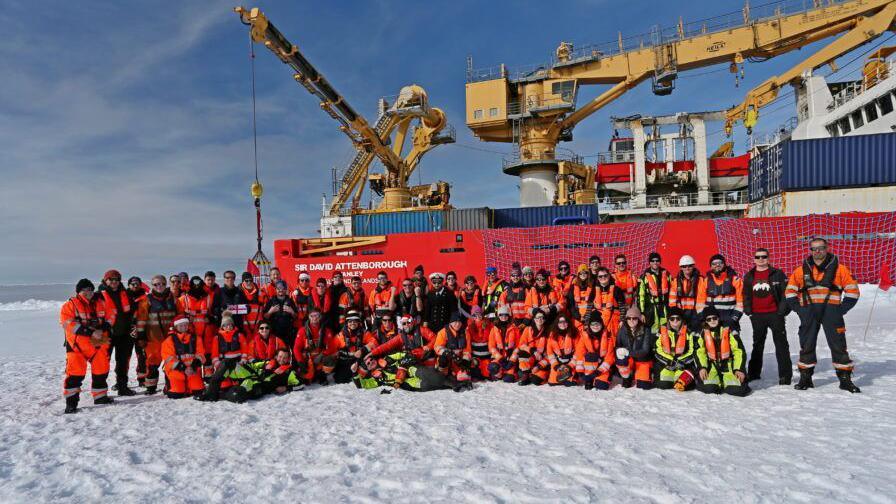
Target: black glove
428,354
179,366
196,364
84,330
230,363
444,359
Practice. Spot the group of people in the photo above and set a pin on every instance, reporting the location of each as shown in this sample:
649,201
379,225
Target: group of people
588,327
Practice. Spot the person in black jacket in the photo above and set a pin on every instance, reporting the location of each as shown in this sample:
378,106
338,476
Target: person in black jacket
337,289
280,312
440,304
232,298
634,351
764,303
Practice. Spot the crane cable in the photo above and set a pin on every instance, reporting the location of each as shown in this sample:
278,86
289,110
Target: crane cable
254,124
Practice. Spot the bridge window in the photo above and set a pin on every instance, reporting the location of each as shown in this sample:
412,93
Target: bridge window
477,114
885,103
857,121
844,126
870,112
492,112
832,130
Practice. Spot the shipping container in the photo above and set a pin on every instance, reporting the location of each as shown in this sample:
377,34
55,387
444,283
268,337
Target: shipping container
544,216
824,163
397,222
462,219
826,201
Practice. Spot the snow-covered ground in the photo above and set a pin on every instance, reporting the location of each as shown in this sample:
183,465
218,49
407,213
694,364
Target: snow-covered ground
496,443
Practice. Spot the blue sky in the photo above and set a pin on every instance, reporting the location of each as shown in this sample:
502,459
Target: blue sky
126,135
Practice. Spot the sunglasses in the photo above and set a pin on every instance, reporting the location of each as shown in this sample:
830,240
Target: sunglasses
621,263
304,279
717,263
687,266
654,260
711,318
564,268
503,315
760,257
603,276
818,249
158,285
632,318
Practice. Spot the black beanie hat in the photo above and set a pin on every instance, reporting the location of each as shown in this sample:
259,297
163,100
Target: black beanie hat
654,255
717,257
84,283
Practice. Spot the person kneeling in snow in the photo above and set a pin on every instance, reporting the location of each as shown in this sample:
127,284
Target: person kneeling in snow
229,350
258,378
595,353
634,350
415,343
452,346
183,355
675,353
720,358
560,351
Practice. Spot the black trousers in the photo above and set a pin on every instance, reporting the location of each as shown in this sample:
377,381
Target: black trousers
122,346
762,322
812,320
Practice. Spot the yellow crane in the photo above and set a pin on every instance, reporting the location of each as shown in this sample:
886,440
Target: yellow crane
385,140
536,108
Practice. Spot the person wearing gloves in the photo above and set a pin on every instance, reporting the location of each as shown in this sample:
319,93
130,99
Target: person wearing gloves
86,343
560,351
634,351
674,352
653,292
595,353
684,288
530,355
721,358
453,351
542,296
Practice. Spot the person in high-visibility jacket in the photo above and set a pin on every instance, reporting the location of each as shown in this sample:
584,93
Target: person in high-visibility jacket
230,350
721,358
562,282
723,289
413,341
265,344
120,314
595,354
609,300
634,351
303,298
580,299
514,297
542,296
255,301
154,316
530,354
624,279
653,292
674,352
494,287
137,292
194,305
684,289
354,299
270,290
560,351
183,354
821,291
502,343
478,330
381,298
315,349
86,343
454,356
469,296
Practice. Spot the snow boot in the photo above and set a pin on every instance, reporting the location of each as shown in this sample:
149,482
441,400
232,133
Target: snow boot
71,405
805,380
785,380
150,390
628,382
124,390
846,382
524,380
104,400
321,379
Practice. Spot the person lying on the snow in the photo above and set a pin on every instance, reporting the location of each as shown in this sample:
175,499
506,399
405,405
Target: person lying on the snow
720,358
252,380
675,353
400,370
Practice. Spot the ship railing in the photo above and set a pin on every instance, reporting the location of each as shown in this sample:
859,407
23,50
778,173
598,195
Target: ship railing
657,36
675,200
855,89
779,134
560,154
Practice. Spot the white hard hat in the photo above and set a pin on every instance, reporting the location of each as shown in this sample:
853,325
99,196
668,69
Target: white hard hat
686,260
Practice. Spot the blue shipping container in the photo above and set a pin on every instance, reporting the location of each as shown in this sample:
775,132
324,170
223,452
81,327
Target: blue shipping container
543,216
397,222
824,163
